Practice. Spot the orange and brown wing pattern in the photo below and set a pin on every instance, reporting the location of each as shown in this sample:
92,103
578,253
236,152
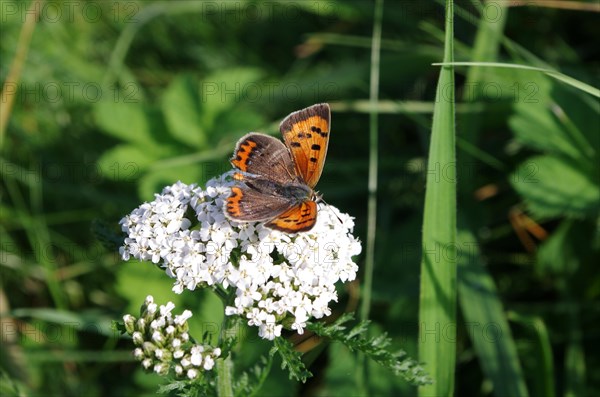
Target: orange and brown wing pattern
264,156
297,219
306,134
248,205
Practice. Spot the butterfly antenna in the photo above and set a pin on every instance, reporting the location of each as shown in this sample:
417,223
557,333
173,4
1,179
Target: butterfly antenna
325,202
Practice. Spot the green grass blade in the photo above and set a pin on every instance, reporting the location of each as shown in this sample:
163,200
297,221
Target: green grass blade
485,320
437,311
543,373
574,355
372,202
479,302
485,49
580,85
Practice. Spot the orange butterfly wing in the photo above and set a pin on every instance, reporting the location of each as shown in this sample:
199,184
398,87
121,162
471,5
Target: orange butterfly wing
297,219
306,134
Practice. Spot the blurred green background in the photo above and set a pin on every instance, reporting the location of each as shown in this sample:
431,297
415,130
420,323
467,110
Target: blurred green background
115,100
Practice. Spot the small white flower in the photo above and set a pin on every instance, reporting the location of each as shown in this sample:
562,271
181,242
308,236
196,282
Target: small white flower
137,337
192,373
256,317
152,307
138,353
128,318
183,317
196,358
270,329
208,363
300,320
157,337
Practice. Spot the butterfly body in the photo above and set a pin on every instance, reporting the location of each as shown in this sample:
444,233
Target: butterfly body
277,180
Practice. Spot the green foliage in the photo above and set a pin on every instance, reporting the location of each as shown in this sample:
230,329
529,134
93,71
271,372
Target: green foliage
554,186
250,382
184,128
290,359
375,348
184,388
566,180
527,141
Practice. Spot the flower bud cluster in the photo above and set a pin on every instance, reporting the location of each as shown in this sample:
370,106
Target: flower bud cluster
163,343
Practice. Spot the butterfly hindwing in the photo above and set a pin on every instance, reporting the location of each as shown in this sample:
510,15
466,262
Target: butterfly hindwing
306,134
300,218
249,205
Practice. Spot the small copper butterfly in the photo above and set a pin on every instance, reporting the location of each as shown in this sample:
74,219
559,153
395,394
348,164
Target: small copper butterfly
277,179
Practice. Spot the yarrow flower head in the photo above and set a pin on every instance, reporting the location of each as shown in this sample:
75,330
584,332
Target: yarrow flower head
279,279
163,342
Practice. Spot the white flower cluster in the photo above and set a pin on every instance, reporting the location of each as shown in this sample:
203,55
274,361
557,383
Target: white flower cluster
279,278
163,341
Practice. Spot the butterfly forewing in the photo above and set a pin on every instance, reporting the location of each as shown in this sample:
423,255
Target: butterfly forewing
265,156
306,134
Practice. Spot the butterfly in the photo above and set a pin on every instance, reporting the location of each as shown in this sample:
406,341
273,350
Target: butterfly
277,180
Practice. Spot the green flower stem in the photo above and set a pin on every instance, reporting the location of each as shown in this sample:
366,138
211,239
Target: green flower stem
224,382
224,365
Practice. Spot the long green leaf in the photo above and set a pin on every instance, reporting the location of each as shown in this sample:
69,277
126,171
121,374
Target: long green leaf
362,375
485,320
580,85
437,311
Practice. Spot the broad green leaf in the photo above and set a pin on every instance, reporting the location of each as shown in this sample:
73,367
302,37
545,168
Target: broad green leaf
221,91
181,107
553,186
125,162
155,180
130,122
